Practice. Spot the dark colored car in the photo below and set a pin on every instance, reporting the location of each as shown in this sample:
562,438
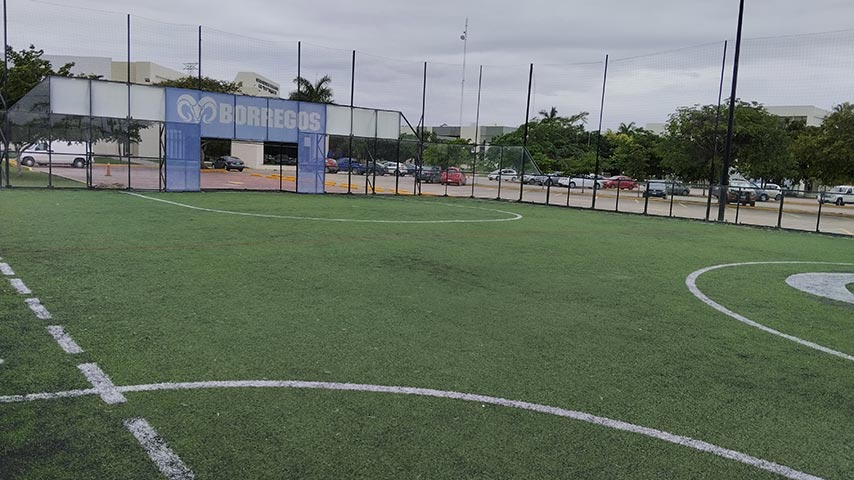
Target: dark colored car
742,196
429,174
411,168
229,163
674,187
346,164
453,175
375,168
655,189
331,165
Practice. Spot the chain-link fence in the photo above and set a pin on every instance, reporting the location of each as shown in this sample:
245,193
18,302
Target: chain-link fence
640,135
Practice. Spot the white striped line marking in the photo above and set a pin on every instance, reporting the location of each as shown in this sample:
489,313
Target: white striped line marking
691,282
513,216
102,383
689,442
19,286
38,308
5,269
64,340
158,451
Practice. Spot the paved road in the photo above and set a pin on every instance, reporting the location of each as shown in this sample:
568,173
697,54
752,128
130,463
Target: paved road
799,214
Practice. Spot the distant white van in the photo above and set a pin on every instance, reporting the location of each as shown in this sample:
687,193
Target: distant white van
56,153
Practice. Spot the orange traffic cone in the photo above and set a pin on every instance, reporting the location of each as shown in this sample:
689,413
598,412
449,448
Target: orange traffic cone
108,174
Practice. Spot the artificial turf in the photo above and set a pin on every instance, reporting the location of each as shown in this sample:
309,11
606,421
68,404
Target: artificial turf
581,310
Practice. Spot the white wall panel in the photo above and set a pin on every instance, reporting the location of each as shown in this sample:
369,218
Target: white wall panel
69,96
337,120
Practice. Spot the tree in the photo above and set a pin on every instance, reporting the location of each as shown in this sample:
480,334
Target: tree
635,151
552,141
318,92
27,69
206,84
826,153
760,143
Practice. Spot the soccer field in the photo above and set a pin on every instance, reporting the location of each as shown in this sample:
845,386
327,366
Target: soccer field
250,335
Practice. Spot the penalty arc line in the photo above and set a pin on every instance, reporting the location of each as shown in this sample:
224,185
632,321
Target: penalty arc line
689,442
691,282
513,216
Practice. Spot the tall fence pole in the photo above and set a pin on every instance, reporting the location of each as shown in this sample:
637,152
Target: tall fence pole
724,185
199,60
820,204
525,137
299,67
599,137
717,137
352,99
419,162
6,125
476,132
127,124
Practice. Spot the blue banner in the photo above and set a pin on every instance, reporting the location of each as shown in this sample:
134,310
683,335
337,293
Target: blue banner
311,169
242,117
183,158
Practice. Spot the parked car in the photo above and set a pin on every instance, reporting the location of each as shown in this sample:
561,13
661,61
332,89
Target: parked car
378,168
774,191
839,195
411,168
620,181
453,175
56,153
743,196
582,181
655,189
504,174
429,174
395,168
331,165
548,179
673,187
229,163
346,164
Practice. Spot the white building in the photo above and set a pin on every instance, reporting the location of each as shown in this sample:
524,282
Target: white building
257,85
811,115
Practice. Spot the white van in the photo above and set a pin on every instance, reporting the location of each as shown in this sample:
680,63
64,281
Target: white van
56,153
840,195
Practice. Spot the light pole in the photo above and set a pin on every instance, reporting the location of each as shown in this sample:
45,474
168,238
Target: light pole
465,38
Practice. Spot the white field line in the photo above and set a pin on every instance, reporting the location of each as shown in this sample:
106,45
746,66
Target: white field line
18,284
30,397
38,309
689,442
691,282
64,340
158,451
102,383
5,269
513,216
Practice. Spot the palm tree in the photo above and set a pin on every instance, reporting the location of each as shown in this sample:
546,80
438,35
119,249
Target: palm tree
318,92
549,115
627,129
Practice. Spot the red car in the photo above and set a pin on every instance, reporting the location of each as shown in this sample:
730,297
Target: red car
624,182
453,175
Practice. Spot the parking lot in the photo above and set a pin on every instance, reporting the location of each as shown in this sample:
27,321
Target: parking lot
797,213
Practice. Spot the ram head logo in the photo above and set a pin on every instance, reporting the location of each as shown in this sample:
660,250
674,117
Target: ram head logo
191,111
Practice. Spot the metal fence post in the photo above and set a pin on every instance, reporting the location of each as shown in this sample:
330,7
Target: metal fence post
672,194
646,199
722,191
476,132
780,213
350,148
128,120
6,126
820,204
525,135
500,167
599,136
617,206
717,137
419,163
737,204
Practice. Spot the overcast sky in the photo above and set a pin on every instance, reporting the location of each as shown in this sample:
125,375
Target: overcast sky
566,41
